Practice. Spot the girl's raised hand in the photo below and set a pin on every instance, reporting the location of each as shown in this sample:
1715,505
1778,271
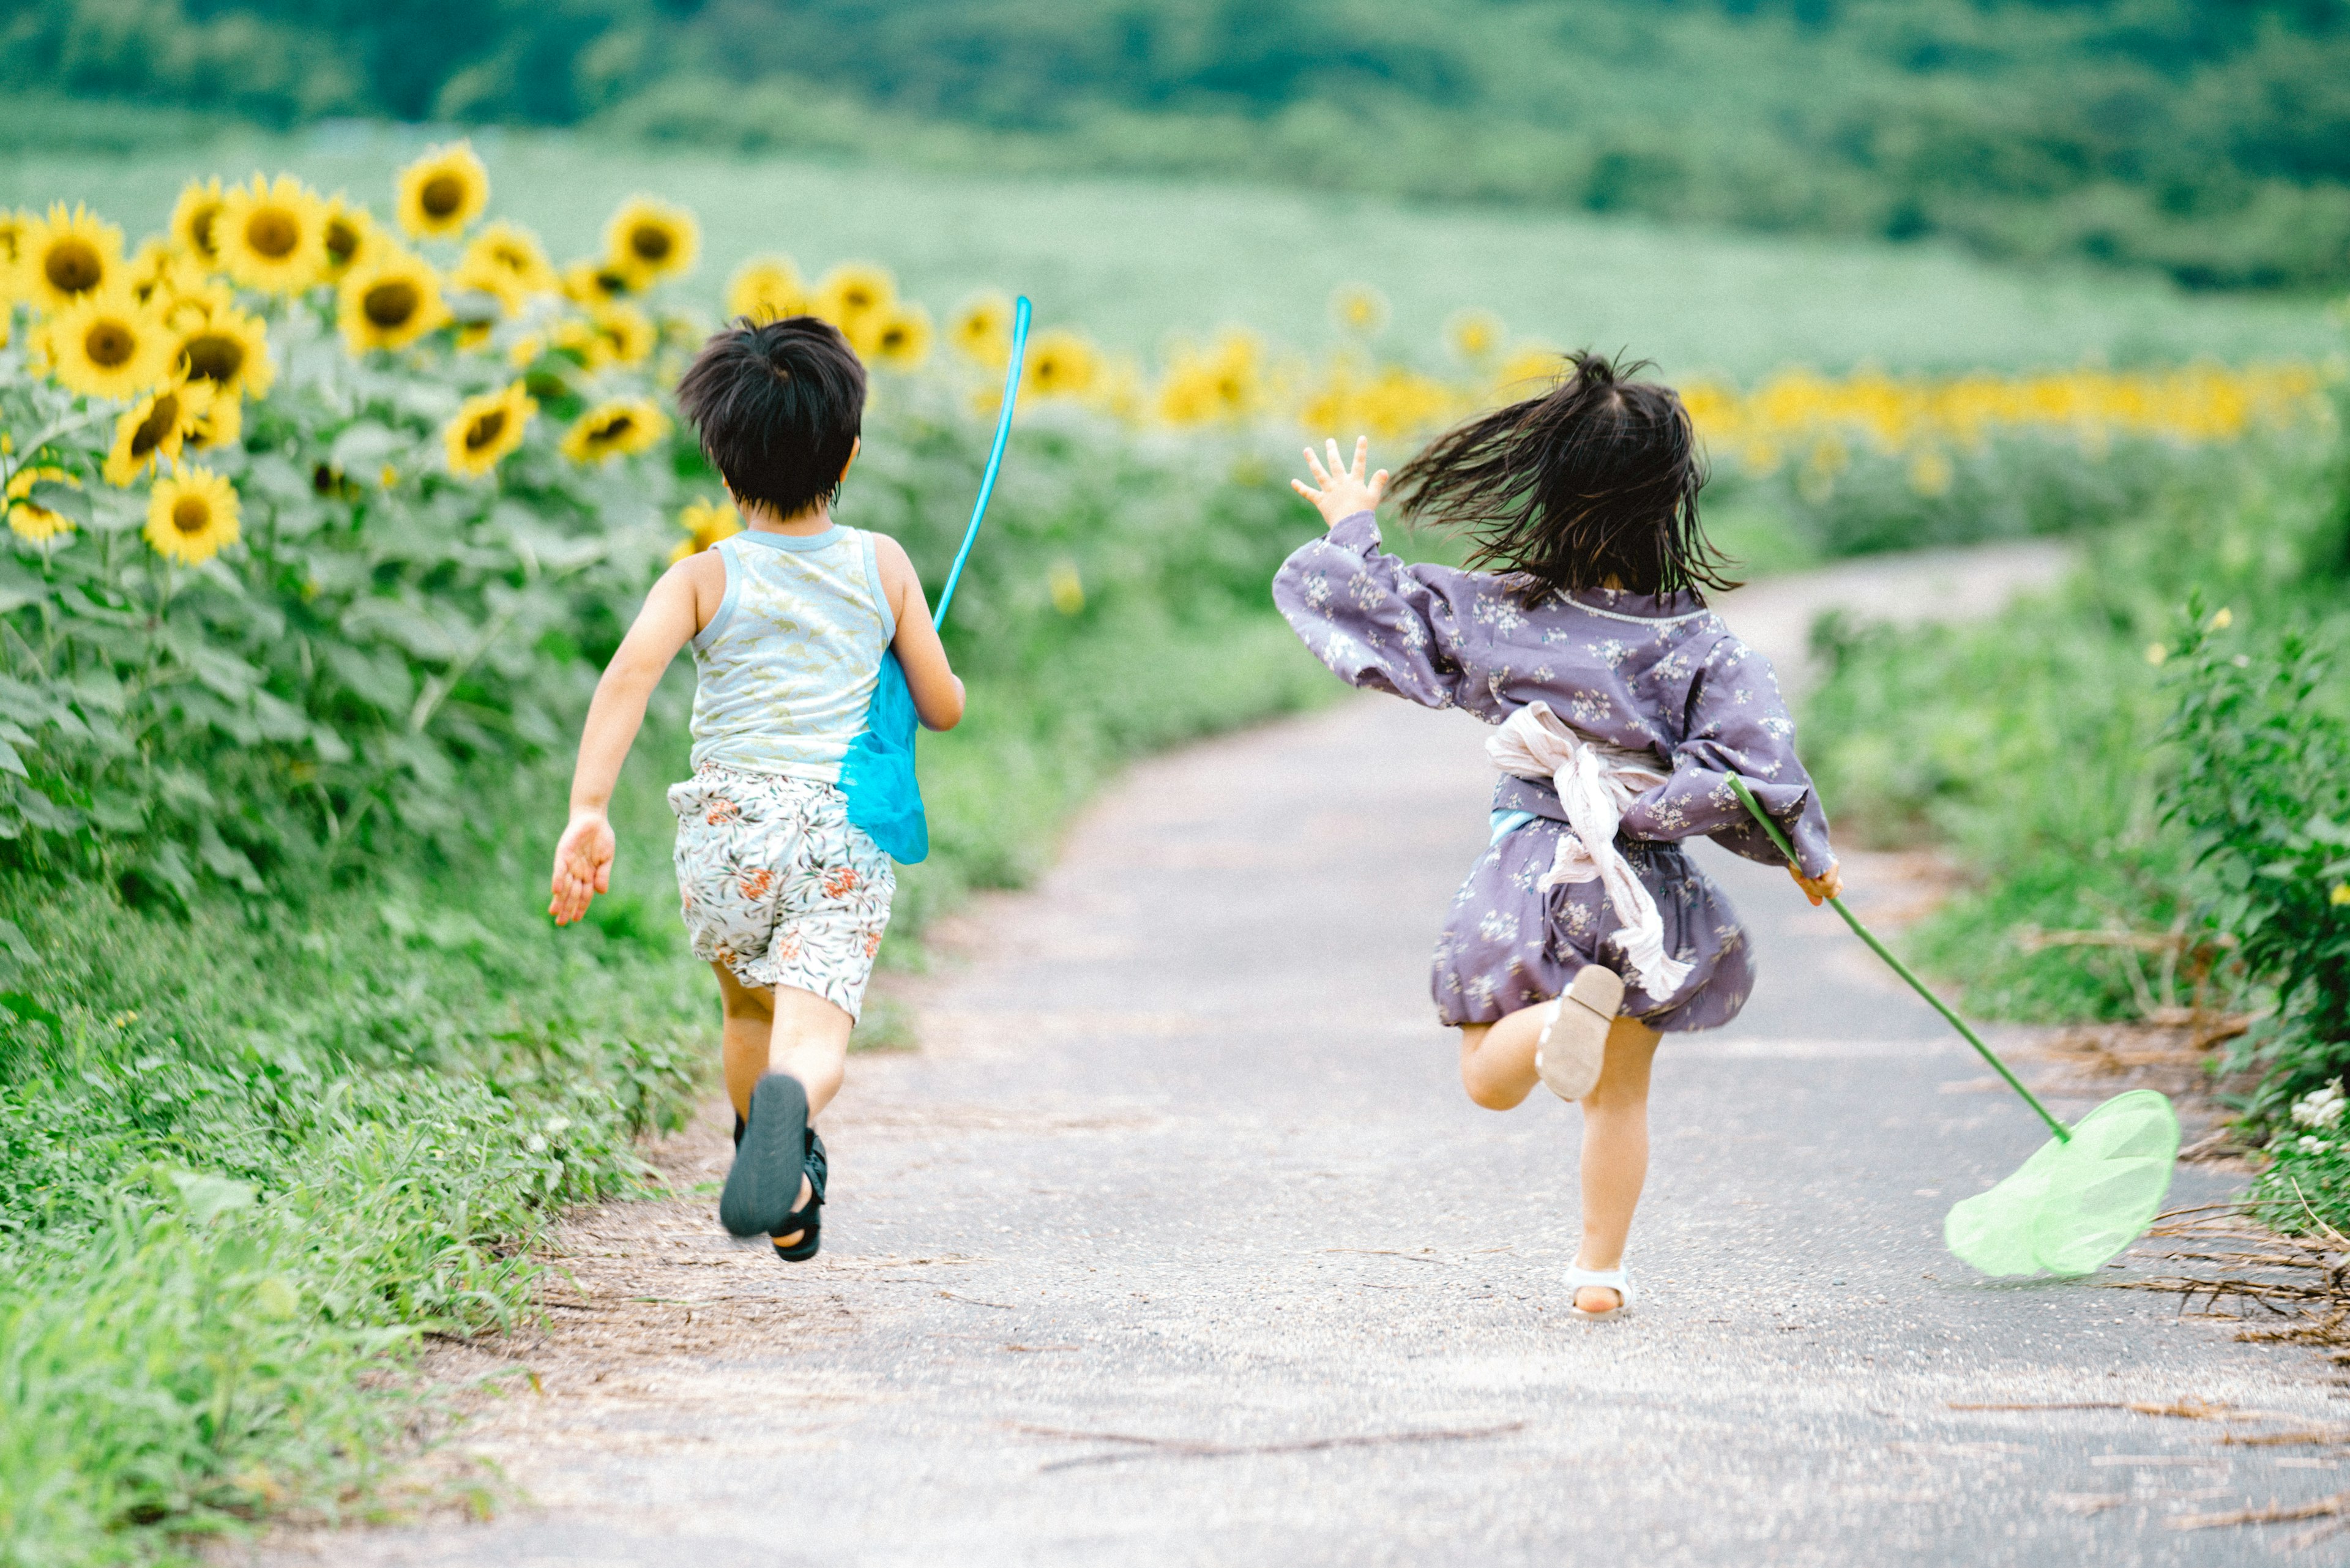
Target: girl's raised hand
1345,490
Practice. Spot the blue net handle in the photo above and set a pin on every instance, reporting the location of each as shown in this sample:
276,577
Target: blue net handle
1020,313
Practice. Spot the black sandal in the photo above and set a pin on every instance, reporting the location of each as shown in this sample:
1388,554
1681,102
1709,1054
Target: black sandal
762,1187
808,1221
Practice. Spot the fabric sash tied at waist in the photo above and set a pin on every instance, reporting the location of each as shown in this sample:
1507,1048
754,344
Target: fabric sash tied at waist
1595,783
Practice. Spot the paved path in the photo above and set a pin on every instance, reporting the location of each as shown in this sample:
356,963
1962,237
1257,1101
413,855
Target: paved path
1178,1243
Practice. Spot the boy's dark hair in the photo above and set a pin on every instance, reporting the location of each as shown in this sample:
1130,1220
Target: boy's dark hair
1598,478
779,405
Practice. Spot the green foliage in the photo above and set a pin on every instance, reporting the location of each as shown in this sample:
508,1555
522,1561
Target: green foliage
2022,744
2202,138
384,631
2262,792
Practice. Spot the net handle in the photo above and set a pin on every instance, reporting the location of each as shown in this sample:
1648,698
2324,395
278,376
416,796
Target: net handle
1746,796
1020,313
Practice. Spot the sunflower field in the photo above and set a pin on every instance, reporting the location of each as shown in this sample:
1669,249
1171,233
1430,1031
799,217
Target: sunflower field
322,519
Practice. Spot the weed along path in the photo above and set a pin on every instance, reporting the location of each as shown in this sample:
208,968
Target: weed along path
1178,1243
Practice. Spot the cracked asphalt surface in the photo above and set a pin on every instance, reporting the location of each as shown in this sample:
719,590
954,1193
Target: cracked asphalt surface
1179,1244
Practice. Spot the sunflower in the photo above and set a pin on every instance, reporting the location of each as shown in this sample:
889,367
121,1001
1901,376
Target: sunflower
610,430
28,518
153,429
191,515
106,345
13,224
627,332
1473,334
389,301
901,339
224,346
273,234
220,424
160,273
350,237
506,262
67,256
982,329
193,217
442,191
579,337
1359,310
594,281
854,296
706,522
486,429
1060,364
766,288
649,239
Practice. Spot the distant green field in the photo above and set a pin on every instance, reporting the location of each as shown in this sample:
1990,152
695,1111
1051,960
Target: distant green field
1134,261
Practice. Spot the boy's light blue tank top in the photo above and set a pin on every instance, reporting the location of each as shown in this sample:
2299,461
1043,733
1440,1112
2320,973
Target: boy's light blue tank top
786,666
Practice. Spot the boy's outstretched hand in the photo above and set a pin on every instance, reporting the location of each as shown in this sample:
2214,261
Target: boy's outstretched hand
1345,490
583,866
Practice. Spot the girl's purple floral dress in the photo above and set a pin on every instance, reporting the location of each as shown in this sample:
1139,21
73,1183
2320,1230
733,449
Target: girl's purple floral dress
1655,674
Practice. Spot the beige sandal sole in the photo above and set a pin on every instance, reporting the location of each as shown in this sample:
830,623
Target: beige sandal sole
1574,1044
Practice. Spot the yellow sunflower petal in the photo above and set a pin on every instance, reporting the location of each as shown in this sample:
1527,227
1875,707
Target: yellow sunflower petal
901,338
389,301
650,239
224,346
982,329
30,520
350,234
272,236
106,345
1060,364
193,220
855,296
442,191
487,429
155,428
67,255
614,428
506,262
766,288
191,515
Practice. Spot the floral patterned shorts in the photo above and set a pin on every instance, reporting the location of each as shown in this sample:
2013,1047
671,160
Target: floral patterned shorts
779,886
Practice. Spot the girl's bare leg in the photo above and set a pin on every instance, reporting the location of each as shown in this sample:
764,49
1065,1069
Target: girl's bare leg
785,1031
1497,1067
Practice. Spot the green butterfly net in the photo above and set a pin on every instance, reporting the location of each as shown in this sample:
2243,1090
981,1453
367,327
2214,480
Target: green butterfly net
2088,1192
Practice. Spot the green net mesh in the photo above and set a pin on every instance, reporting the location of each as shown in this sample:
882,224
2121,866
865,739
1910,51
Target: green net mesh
2073,1207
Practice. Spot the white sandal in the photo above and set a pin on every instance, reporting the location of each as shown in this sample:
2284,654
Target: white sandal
1580,1279
1574,1042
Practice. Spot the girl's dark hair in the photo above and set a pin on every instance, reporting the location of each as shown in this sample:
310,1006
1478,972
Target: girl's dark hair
779,405
1598,478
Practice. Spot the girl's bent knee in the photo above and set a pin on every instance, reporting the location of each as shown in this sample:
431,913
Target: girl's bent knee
1493,1096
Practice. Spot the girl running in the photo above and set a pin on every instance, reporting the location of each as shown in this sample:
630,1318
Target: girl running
1583,934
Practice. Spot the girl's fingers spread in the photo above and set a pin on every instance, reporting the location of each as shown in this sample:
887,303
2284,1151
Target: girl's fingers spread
1313,466
1362,453
1305,489
1337,463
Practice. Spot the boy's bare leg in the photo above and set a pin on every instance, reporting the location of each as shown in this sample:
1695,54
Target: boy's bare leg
785,1031
1497,1067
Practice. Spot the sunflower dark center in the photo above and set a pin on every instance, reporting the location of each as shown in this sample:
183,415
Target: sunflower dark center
443,195
342,240
273,233
392,303
213,356
192,514
157,427
617,427
110,345
652,243
199,228
486,429
73,267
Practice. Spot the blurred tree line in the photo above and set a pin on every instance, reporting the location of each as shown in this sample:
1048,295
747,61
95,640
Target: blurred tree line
2207,138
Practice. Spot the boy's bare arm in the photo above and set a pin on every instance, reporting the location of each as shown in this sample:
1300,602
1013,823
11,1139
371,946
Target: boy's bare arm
583,860
937,690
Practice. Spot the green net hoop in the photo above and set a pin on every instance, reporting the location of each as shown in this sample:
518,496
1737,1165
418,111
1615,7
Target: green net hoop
2074,1206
